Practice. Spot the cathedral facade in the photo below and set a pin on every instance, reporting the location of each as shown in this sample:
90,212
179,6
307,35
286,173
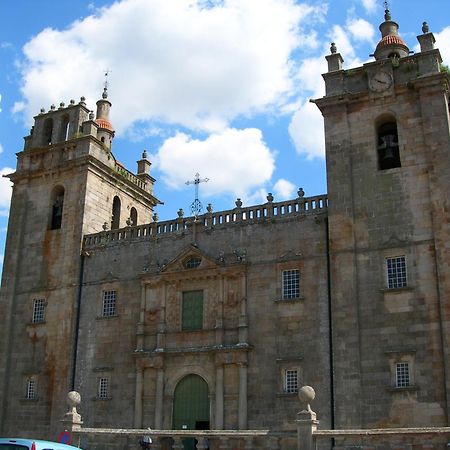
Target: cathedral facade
215,321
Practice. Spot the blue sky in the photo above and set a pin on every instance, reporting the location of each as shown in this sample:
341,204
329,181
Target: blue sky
219,87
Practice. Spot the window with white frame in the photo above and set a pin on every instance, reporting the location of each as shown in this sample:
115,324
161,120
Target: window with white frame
38,310
290,284
109,303
31,392
291,381
402,375
396,272
103,388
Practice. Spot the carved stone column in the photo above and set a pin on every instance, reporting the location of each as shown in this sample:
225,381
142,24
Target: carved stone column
138,396
140,325
159,398
243,396
243,319
219,397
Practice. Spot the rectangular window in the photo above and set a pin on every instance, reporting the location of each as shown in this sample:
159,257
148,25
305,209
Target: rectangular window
396,272
103,388
109,303
402,378
291,381
38,310
291,284
30,393
192,311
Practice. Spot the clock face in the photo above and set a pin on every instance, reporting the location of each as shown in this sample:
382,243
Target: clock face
380,81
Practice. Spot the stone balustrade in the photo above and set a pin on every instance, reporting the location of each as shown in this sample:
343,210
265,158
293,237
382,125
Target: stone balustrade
130,176
210,220
180,439
306,437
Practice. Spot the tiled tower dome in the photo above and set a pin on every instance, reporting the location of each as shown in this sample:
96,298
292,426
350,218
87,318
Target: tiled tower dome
391,44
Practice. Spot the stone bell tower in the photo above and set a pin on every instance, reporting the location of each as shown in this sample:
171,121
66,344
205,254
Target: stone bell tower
388,166
67,183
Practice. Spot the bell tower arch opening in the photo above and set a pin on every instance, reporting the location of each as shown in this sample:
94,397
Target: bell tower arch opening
56,209
388,151
115,222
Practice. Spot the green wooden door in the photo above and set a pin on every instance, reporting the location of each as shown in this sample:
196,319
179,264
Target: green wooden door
191,407
191,403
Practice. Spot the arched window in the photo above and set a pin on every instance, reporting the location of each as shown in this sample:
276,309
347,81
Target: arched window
64,130
47,131
57,206
133,216
387,146
115,223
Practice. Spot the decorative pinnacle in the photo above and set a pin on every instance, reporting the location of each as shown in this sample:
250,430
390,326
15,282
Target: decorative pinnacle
333,48
425,28
105,84
144,154
387,13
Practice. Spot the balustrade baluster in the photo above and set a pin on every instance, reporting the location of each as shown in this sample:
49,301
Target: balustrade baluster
202,443
248,443
156,443
177,443
273,443
224,442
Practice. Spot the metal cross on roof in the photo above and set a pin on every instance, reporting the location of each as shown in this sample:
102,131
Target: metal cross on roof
105,84
196,206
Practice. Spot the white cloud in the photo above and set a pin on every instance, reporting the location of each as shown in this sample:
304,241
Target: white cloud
1,148
18,107
183,62
306,127
306,130
443,44
361,30
5,189
369,5
283,190
342,40
310,73
235,161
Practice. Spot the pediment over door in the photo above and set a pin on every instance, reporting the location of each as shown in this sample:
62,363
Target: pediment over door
190,259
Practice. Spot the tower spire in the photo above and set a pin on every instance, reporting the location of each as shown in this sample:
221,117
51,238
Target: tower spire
387,13
105,84
391,44
105,129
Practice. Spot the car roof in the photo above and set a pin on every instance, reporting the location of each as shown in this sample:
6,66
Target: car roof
40,444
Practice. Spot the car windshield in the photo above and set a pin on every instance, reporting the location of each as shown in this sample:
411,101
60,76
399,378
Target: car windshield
11,446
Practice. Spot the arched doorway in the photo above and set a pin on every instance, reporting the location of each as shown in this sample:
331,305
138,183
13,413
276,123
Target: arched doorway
191,404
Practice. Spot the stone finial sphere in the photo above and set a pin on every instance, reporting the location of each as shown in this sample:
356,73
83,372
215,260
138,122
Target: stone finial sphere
73,399
306,394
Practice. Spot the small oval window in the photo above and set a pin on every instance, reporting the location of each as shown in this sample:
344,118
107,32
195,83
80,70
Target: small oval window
193,262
